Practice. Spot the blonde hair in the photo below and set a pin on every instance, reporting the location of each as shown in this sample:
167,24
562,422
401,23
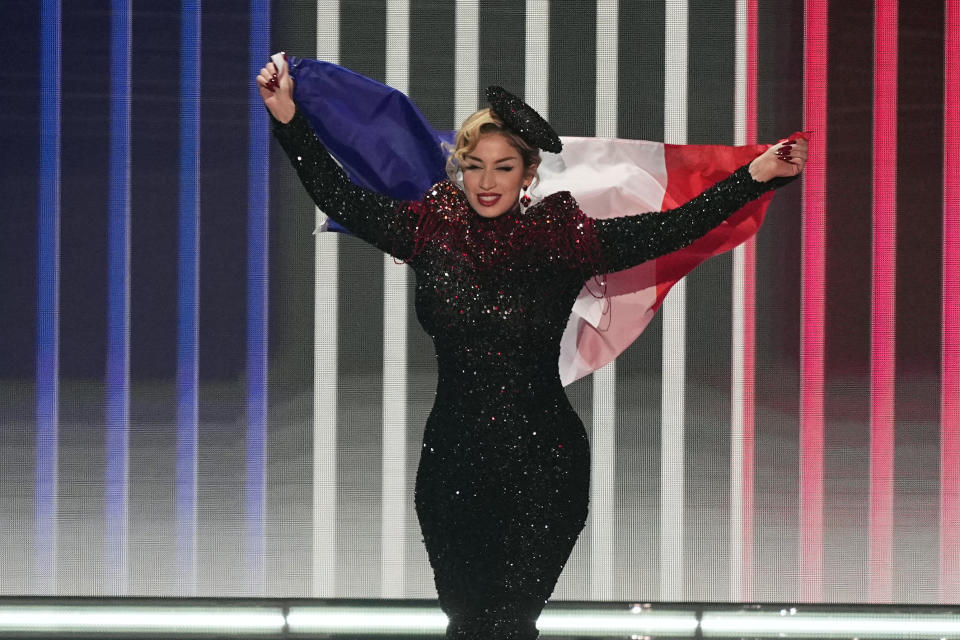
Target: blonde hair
476,126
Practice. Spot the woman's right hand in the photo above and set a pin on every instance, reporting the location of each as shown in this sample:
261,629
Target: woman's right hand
276,90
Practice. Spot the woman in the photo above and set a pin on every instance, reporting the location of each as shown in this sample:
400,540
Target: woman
502,485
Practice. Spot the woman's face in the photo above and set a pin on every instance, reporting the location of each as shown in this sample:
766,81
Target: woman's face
493,174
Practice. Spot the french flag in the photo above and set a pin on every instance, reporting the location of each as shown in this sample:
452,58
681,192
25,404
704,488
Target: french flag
385,144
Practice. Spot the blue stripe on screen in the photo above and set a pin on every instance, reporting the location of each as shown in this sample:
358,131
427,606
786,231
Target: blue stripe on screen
188,291
257,298
48,294
118,298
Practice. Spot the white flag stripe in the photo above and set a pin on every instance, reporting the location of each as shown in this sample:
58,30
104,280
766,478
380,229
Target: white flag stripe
674,327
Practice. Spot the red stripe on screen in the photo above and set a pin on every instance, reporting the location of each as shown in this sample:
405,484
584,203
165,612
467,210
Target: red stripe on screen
950,356
883,302
812,303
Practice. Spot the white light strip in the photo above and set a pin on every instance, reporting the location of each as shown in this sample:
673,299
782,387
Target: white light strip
536,86
369,620
675,72
674,327
68,620
179,620
324,581
394,489
603,483
637,621
737,537
606,94
740,74
397,61
467,65
603,475
672,444
737,427
422,620
790,623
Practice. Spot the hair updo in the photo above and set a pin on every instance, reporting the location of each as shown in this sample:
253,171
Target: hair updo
476,126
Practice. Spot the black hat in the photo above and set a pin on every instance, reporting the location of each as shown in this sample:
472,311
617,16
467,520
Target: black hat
522,118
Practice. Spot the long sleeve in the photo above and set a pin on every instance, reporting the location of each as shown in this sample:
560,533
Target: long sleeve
627,241
384,222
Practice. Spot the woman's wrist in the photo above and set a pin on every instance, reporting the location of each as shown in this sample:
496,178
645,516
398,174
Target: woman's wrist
760,169
283,113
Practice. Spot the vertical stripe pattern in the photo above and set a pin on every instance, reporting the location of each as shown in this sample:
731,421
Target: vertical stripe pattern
188,296
258,181
48,300
743,329
674,328
883,316
812,303
537,73
118,301
843,364
325,386
950,349
467,62
394,489
603,432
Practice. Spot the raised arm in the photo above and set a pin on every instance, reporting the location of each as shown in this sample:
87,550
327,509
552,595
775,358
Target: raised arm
627,241
384,222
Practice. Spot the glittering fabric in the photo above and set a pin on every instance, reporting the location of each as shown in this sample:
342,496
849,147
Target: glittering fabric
502,485
523,119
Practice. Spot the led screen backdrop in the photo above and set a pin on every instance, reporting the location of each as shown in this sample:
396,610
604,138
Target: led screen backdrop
199,396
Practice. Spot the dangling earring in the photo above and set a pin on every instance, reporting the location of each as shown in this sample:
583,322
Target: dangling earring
524,199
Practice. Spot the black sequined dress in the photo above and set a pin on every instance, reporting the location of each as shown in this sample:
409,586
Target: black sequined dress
502,484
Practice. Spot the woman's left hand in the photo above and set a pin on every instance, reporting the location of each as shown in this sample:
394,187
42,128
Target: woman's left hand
782,160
